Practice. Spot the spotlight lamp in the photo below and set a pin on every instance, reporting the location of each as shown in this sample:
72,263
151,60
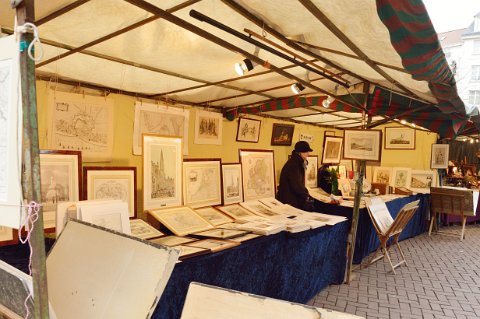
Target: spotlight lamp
243,67
403,122
297,87
326,103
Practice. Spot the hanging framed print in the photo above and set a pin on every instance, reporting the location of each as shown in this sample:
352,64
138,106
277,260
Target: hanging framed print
282,134
248,130
111,183
399,138
332,150
162,171
439,156
363,145
202,182
258,174
208,127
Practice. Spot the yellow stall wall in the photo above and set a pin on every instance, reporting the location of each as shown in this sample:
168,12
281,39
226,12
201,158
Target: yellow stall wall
228,151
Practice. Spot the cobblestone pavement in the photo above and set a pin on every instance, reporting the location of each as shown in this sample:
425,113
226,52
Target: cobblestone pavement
441,281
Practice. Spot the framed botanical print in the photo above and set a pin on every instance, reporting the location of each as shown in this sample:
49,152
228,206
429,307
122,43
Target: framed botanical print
202,184
258,173
248,130
362,145
162,171
332,150
181,220
232,183
208,127
111,183
401,177
311,172
60,173
439,156
399,138
282,134
422,180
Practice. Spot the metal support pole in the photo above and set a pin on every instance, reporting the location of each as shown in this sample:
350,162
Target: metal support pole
31,162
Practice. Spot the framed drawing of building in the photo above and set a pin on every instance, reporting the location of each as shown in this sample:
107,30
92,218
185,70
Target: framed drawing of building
160,120
258,173
363,145
382,175
401,177
162,171
181,220
439,156
399,138
248,130
422,180
311,172
282,134
232,183
112,183
202,184
60,173
332,150
208,127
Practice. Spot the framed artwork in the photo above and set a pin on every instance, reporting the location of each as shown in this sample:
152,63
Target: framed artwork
220,233
282,134
162,171
160,120
143,230
112,183
213,244
328,133
439,156
469,169
208,127
401,177
60,181
332,150
258,173
248,130
189,252
345,187
422,180
8,236
382,175
181,220
111,214
232,183
399,138
259,209
173,240
213,216
237,212
81,122
363,145
202,182
311,172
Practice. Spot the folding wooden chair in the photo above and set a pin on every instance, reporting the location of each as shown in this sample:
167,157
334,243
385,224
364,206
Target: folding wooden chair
388,228
447,203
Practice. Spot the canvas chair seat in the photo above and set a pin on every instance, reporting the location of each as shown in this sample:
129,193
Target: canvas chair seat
388,228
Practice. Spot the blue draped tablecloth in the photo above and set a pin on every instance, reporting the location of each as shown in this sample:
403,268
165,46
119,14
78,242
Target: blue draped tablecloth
286,266
366,241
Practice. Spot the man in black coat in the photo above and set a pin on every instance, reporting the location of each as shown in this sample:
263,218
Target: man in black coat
291,189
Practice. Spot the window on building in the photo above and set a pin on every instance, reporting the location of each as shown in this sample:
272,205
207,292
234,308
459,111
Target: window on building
474,98
476,47
475,73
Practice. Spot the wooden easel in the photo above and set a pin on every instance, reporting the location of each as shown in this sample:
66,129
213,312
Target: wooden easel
392,231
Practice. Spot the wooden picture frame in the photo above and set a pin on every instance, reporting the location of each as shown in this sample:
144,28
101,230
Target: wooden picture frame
312,171
208,127
143,230
362,145
332,150
112,214
399,138
213,216
328,133
181,220
382,175
162,171
232,183
282,134
248,130
439,157
469,168
8,236
401,177
114,182
61,181
202,183
422,180
258,173
237,212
